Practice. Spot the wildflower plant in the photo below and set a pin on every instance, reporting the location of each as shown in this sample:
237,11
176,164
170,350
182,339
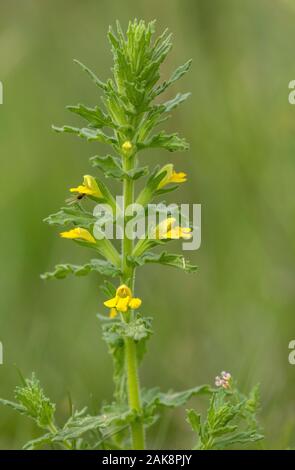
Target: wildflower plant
231,417
127,121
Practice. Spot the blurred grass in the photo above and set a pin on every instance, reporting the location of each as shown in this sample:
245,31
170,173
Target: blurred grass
237,313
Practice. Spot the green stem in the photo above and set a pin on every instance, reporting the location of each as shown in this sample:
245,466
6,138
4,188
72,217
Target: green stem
53,429
137,428
128,199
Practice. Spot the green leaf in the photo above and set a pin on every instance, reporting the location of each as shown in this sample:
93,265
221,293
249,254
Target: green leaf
169,142
244,438
32,402
176,75
95,265
111,167
89,134
137,173
153,117
71,215
91,74
117,415
166,190
34,444
81,424
180,71
112,335
150,189
179,98
138,329
108,289
37,405
154,399
165,258
95,116
194,419
15,406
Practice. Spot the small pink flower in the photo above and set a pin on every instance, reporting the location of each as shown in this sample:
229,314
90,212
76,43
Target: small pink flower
223,380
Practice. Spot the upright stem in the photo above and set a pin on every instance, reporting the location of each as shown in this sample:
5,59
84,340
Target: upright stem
137,428
127,244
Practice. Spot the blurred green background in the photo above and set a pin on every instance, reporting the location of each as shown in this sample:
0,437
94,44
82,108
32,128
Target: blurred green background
237,312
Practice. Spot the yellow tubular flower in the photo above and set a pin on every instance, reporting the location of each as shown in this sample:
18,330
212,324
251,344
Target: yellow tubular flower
89,187
127,146
122,301
78,234
171,176
167,230
164,227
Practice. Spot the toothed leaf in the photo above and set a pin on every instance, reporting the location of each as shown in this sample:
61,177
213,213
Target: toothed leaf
165,258
95,265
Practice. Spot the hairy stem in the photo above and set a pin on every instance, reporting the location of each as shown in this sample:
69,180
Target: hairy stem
127,244
137,428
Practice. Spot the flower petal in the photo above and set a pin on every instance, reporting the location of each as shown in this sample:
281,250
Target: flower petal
113,313
78,233
122,304
111,303
123,291
89,187
164,227
178,177
135,303
178,232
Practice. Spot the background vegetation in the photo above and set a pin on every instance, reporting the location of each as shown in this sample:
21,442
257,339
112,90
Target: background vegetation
237,312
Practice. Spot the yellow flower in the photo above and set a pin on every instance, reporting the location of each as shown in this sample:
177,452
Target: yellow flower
171,176
89,187
122,301
78,234
179,232
167,230
127,146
